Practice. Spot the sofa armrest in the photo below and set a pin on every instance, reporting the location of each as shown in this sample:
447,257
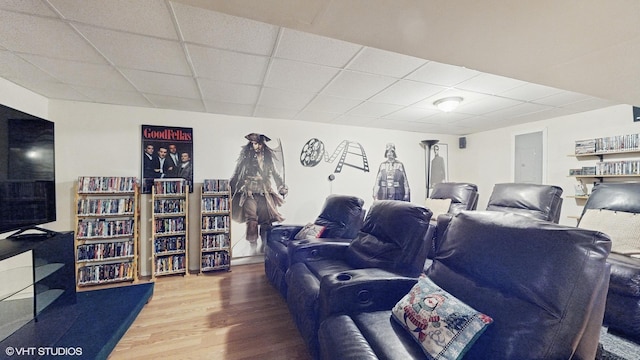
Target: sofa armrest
317,249
362,290
283,233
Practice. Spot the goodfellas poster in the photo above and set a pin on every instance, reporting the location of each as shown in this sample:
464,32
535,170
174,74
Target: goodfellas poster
167,152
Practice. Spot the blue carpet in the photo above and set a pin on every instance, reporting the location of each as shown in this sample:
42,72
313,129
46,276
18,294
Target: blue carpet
615,347
92,326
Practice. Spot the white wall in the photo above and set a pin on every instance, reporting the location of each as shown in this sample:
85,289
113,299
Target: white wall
105,140
487,160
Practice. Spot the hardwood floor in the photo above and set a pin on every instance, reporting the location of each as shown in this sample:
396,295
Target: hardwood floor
221,315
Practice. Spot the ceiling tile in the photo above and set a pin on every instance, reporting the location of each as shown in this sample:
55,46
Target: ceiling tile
410,114
487,105
105,96
443,118
224,31
163,84
300,46
562,98
274,112
356,85
530,92
228,92
518,110
14,67
172,102
442,74
278,98
44,36
55,90
353,120
324,103
467,97
286,74
228,108
406,92
376,61
137,51
228,66
589,103
489,84
373,109
146,17
31,7
316,116
83,74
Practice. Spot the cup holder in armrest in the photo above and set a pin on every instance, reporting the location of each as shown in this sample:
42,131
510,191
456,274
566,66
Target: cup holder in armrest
343,277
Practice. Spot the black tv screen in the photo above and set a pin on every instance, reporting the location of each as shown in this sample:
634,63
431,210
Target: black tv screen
27,170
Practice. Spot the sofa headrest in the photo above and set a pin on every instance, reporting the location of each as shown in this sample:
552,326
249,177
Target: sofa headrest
502,249
539,201
457,192
393,237
538,280
615,197
342,216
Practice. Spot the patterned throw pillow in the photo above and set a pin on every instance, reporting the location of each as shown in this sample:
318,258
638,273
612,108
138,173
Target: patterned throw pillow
444,326
310,231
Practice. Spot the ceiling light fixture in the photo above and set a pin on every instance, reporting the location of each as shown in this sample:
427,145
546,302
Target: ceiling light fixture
448,104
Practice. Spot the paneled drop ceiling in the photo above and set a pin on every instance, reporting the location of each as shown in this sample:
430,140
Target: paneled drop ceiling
173,55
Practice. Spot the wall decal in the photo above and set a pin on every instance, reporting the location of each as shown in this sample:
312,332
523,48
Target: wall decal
258,189
439,164
391,181
167,152
349,153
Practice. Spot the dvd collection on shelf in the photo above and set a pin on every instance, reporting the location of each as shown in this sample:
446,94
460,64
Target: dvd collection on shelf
107,228
99,184
215,229
105,273
106,237
170,224
618,143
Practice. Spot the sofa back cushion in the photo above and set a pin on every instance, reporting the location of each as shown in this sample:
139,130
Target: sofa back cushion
542,202
394,237
342,216
537,280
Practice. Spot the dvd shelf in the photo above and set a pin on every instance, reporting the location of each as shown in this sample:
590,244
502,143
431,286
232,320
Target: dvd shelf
107,231
215,229
623,152
170,224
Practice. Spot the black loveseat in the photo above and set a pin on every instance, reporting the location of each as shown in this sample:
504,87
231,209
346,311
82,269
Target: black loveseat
543,284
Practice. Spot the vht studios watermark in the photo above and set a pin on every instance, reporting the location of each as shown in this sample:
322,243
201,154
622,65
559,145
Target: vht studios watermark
43,351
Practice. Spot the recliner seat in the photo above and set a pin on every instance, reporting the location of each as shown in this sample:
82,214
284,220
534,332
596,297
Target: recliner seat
393,242
342,217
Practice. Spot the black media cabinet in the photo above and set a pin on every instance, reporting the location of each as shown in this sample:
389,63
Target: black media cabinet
38,273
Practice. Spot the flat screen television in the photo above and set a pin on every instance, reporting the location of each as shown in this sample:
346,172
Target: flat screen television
27,171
